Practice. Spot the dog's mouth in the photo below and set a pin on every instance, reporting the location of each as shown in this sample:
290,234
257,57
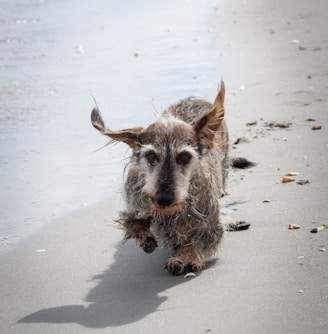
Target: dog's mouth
162,209
166,210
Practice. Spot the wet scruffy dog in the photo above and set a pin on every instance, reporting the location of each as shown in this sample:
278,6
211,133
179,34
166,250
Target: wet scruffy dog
176,175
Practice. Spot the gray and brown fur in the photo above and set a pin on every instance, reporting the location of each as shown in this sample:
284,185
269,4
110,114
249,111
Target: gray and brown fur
176,175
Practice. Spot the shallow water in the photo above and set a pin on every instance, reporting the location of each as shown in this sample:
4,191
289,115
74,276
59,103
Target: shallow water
55,56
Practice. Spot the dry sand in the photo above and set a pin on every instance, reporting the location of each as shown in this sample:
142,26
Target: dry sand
75,276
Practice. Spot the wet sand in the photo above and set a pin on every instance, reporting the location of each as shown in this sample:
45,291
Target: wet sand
76,276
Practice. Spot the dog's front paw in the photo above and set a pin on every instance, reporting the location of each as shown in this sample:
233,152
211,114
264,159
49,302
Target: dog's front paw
176,266
193,268
149,245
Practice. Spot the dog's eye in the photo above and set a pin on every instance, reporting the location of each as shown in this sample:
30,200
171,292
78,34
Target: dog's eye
183,158
151,157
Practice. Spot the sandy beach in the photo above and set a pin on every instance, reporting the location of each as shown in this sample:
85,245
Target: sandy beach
75,275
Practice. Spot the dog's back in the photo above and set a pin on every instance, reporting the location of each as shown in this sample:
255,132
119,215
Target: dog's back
188,109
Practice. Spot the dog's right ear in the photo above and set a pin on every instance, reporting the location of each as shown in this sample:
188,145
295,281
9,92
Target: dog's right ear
128,136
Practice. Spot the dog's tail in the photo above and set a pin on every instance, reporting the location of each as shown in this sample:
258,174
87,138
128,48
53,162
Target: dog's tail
241,163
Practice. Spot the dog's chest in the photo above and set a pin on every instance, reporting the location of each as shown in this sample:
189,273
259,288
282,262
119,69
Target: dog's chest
175,230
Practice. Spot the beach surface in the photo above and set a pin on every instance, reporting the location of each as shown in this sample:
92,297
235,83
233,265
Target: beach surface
74,274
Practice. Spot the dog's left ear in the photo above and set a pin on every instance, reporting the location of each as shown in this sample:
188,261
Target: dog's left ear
127,136
207,124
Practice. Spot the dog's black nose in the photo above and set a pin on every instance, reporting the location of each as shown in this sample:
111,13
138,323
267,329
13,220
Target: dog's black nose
164,198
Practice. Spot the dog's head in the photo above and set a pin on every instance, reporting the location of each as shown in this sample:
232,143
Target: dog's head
168,152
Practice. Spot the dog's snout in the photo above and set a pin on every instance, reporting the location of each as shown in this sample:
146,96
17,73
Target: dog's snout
165,198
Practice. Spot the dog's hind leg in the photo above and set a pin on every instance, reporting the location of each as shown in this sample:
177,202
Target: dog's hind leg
139,229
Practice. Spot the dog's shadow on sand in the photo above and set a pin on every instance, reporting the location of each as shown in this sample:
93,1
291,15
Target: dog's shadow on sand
131,288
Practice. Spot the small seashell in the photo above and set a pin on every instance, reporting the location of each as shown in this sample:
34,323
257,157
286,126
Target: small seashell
319,228
293,227
190,275
286,180
251,123
316,127
302,182
291,174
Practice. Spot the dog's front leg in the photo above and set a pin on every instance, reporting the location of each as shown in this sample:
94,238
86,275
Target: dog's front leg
139,229
186,259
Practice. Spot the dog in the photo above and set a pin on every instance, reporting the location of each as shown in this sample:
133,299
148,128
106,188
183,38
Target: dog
176,175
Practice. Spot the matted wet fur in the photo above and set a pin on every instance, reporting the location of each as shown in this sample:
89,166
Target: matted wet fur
176,175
